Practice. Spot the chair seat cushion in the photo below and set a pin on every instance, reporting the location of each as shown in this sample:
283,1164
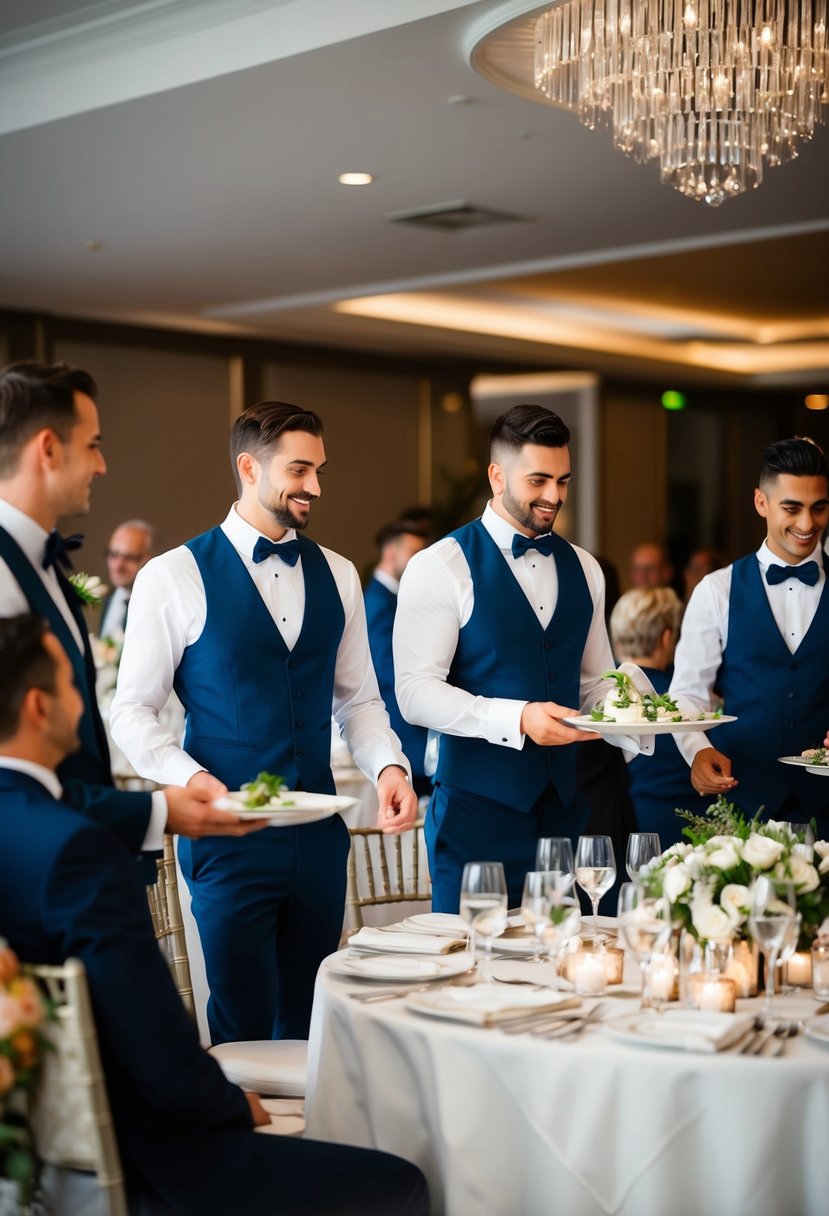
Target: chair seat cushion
277,1067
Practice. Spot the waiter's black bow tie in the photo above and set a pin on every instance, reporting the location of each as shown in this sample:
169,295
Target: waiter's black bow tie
544,544
807,573
58,548
288,550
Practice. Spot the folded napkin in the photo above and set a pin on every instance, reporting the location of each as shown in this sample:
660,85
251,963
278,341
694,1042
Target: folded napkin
489,1004
438,924
689,1029
403,942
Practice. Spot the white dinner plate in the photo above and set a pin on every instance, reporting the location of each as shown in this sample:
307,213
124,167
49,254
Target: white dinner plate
820,770
290,810
397,966
679,1030
585,722
818,1029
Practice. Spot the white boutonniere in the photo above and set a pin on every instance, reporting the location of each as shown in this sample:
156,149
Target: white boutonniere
88,588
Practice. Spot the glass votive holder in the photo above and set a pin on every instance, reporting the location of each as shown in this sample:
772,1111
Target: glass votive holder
588,972
612,959
741,966
820,968
797,971
664,976
708,990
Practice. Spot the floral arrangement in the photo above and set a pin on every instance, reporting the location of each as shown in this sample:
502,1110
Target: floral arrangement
22,1011
88,588
708,880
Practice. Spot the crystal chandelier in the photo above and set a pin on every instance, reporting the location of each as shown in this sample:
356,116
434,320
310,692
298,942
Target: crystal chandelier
716,89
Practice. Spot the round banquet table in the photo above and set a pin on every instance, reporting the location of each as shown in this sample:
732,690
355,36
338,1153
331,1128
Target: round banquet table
510,1125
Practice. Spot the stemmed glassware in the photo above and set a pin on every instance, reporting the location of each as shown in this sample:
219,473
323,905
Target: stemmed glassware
645,926
483,905
804,831
595,871
554,857
772,909
642,848
535,908
563,922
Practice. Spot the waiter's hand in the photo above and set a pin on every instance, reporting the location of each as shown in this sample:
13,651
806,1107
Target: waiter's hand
541,722
711,772
190,811
398,801
260,1116
826,740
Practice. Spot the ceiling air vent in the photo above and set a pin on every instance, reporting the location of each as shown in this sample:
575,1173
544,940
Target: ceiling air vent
455,217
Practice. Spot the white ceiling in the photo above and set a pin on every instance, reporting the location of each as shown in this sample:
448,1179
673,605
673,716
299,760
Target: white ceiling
197,143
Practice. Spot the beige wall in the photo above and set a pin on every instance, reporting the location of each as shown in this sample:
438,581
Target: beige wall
633,477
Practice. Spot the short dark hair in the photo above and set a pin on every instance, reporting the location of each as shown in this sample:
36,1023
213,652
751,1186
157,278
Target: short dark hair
797,457
260,427
24,663
528,424
397,528
33,396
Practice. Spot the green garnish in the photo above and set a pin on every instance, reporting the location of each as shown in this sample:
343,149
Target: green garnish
623,686
262,790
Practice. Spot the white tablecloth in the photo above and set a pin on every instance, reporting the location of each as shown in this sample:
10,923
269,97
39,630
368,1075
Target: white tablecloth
507,1125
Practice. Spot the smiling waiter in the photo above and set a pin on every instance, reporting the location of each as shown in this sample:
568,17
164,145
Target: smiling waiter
262,633
758,632
499,634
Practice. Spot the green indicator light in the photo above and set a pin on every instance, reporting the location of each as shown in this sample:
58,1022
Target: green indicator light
672,400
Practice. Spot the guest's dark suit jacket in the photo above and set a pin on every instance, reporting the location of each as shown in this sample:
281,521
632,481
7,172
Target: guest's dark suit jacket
381,605
69,888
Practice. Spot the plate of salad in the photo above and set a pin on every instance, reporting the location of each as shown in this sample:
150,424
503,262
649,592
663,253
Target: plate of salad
632,706
814,760
267,797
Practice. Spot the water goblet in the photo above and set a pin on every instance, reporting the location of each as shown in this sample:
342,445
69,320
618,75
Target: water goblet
645,926
554,856
642,848
563,923
787,950
595,871
535,907
772,909
483,905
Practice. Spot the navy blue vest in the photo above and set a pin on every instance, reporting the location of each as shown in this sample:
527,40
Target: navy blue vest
90,764
781,699
251,704
381,605
503,652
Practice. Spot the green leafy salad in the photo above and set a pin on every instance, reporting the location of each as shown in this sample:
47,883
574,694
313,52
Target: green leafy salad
266,791
625,703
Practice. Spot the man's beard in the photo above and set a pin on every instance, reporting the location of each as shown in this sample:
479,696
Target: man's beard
524,515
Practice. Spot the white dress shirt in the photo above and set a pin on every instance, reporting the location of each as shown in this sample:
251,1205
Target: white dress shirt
44,775
114,615
168,610
32,540
705,632
436,600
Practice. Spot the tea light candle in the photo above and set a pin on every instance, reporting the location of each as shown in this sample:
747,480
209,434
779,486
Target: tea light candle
799,970
612,958
712,993
820,970
588,971
663,977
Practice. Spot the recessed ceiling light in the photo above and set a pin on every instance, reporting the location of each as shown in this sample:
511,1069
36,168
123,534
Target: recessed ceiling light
355,179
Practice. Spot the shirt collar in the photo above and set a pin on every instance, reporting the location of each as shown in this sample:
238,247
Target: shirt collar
21,527
386,580
44,775
766,558
243,536
499,529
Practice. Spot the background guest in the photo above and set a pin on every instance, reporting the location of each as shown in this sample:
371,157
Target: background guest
644,628
130,546
700,563
650,566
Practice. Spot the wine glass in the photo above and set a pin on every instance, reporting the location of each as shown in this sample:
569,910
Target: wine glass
787,950
595,871
772,908
803,831
535,907
483,905
563,923
645,926
642,848
554,857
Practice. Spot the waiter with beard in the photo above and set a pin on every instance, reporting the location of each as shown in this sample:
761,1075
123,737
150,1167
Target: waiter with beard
500,634
262,633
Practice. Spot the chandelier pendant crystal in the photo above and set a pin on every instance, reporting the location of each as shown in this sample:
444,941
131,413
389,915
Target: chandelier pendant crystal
715,89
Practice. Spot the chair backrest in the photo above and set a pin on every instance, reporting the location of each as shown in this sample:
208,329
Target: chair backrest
386,869
70,1116
165,912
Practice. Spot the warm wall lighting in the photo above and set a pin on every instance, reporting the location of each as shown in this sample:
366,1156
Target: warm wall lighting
355,179
817,401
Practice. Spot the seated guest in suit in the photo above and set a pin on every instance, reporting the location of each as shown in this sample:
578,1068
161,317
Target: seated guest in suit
69,887
396,542
644,627
130,547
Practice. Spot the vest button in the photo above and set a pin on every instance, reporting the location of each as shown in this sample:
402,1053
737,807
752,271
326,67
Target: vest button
793,667
790,695
297,696
298,724
298,755
548,646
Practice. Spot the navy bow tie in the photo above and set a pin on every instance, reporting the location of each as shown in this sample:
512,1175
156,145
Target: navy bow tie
544,544
288,550
58,548
807,573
